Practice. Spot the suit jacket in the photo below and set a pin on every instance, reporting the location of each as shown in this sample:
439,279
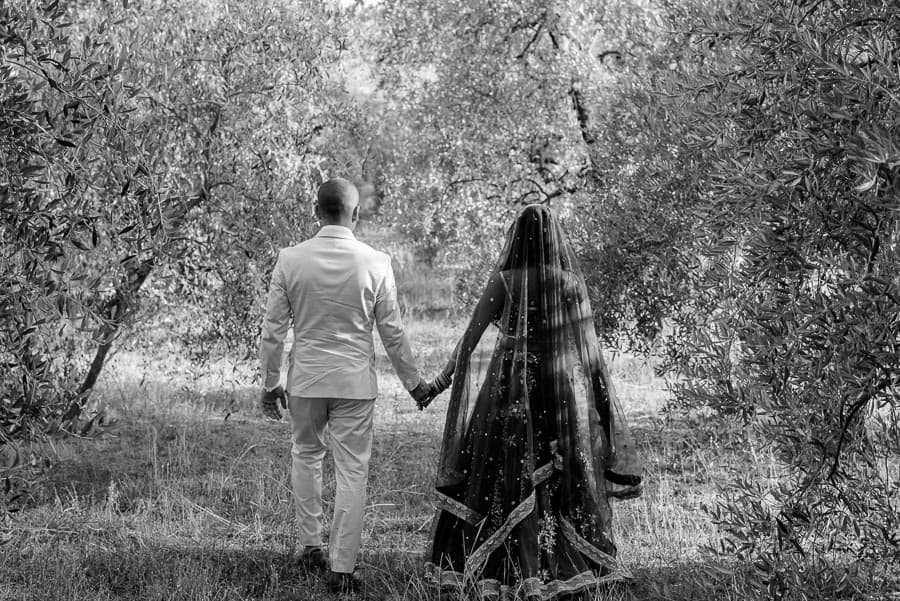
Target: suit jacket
334,289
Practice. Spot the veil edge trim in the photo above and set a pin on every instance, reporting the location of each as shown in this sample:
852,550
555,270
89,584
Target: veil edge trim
490,588
584,546
460,510
467,514
480,555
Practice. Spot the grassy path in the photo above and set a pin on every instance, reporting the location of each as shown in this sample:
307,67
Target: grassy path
185,495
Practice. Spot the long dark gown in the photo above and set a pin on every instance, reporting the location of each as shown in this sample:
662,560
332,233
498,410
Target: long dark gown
535,443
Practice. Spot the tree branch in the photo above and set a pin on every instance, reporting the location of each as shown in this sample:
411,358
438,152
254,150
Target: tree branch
119,308
614,53
583,116
861,402
534,38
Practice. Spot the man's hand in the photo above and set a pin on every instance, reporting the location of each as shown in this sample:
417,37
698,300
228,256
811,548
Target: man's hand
432,394
423,394
269,401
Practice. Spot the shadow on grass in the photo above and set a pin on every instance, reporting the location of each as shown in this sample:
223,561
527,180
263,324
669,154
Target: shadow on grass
260,574
398,575
162,455
88,572
177,572
138,457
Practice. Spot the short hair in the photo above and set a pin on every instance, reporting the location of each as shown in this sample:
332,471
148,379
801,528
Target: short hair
337,197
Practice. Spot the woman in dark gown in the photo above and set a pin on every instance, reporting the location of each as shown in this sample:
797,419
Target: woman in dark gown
535,442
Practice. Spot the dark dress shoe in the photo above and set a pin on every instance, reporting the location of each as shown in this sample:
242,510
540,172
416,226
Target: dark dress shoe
313,558
343,582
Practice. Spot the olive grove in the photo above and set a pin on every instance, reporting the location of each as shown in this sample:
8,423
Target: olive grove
728,171
730,174
153,158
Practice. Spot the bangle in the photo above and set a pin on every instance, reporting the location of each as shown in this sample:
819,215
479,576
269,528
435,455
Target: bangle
442,382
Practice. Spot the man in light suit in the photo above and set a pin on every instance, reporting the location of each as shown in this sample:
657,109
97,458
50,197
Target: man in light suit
333,289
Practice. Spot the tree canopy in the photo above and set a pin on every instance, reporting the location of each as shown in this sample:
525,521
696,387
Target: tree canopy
728,172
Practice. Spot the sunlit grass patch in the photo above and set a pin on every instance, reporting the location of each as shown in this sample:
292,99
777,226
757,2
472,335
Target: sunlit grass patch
185,492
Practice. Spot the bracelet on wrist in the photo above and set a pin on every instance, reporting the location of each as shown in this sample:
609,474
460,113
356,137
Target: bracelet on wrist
442,382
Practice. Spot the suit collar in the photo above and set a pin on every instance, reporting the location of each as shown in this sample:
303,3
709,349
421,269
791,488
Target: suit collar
335,231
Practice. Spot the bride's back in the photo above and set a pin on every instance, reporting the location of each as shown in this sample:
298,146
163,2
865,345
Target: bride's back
543,292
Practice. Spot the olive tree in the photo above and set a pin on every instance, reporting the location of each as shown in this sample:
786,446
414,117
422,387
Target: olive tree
489,106
732,177
157,151
789,117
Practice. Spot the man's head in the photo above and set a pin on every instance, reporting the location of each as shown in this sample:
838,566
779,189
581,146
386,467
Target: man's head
337,203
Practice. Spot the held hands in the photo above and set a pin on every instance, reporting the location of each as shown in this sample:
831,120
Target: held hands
426,392
269,401
422,394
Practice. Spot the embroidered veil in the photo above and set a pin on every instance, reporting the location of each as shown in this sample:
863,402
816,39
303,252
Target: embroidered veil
535,441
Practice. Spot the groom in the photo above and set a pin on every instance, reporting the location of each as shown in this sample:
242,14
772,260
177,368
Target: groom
333,289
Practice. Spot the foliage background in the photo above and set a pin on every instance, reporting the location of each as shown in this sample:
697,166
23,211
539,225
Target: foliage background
728,172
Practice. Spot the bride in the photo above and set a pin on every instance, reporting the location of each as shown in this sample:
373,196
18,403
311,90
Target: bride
535,442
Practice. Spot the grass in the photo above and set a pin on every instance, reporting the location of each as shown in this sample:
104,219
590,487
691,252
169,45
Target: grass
184,495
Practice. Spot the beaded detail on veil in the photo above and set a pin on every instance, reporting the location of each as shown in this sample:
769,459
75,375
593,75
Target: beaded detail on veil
535,440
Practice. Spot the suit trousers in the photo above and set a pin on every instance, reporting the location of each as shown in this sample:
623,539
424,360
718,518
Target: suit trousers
349,424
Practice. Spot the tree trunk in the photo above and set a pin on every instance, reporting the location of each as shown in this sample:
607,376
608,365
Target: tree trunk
115,313
118,310
120,307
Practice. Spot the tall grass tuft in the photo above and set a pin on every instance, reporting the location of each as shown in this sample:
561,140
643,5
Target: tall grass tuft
185,494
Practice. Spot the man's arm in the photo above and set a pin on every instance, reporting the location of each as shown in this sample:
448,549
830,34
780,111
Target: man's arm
276,322
390,328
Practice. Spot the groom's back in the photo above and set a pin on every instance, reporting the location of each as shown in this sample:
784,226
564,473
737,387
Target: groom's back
333,282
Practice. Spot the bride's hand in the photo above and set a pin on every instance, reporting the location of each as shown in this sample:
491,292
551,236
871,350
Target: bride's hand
434,388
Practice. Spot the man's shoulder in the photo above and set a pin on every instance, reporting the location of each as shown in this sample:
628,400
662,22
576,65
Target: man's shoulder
295,249
375,261
359,248
373,252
